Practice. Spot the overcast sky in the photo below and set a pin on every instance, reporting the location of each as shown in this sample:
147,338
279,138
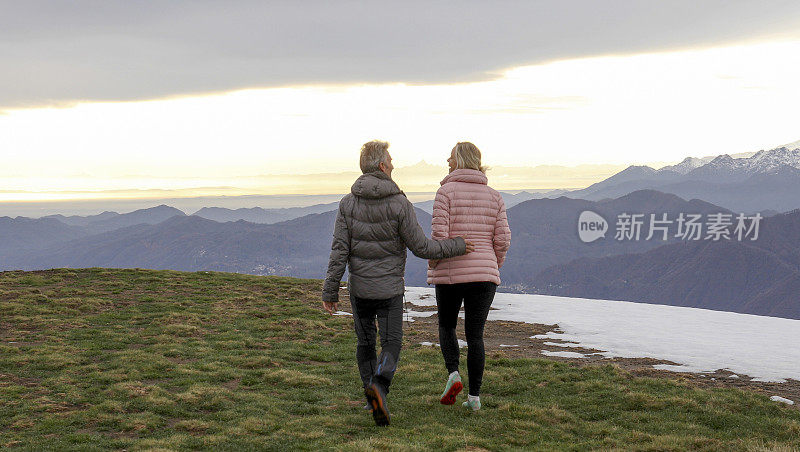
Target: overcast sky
127,95
57,51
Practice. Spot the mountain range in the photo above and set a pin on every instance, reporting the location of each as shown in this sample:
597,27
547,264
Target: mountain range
755,277
544,235
545,231
108,220
767,180
546,256
260,215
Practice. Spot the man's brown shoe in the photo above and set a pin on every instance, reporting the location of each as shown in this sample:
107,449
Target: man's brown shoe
376,397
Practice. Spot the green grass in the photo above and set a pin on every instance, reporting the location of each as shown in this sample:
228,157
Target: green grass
165,360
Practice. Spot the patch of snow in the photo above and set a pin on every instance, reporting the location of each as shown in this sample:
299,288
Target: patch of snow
699,340
564,354
409,315
676,368
461,344
782,400
733,376
506,345
562,344
342,313
420,298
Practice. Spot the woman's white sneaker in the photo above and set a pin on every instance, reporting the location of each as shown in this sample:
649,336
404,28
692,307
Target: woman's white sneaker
473,403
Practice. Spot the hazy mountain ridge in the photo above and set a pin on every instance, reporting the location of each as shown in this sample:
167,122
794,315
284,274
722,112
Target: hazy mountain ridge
109,221
544,233
261,215
24,234
510,199
78,220
248,191
298,247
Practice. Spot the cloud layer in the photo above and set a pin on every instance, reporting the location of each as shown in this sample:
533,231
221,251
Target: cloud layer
59,52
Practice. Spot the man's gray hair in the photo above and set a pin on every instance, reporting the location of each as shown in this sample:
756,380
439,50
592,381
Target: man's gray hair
373,153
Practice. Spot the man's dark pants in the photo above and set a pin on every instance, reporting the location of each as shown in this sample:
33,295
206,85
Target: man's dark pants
389,314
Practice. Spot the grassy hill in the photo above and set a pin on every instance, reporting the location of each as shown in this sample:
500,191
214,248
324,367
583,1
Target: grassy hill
134,359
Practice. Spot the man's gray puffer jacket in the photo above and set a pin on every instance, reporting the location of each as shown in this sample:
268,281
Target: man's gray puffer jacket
375,224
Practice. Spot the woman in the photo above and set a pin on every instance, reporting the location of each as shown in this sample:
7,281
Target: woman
465,206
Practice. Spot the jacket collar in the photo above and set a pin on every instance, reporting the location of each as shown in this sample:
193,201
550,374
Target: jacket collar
466,175
374,185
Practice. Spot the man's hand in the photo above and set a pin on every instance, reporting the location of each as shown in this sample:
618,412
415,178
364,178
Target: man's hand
470,246
331,307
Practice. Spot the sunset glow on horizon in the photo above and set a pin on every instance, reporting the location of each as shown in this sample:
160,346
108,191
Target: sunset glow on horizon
615,110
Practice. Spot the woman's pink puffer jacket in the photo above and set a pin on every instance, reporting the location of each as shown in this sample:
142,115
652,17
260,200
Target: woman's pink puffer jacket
465,206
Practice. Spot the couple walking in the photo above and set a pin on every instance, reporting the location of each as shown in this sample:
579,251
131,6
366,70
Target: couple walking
374,226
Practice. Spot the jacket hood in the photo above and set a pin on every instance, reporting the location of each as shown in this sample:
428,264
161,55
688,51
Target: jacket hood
374,185
466,175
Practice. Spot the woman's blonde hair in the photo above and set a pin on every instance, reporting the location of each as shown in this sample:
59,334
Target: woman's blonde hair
468,156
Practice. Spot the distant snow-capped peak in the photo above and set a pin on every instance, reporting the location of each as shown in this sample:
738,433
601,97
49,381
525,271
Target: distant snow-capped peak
764,161
760,162
725,160
686,165
795,145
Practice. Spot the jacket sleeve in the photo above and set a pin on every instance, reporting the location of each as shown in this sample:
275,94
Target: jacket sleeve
502,234
414,237
340,252
440,221
440,224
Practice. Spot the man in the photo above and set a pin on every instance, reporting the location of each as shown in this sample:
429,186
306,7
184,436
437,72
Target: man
374,226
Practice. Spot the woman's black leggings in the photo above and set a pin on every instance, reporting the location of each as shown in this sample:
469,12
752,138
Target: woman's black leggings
477,298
